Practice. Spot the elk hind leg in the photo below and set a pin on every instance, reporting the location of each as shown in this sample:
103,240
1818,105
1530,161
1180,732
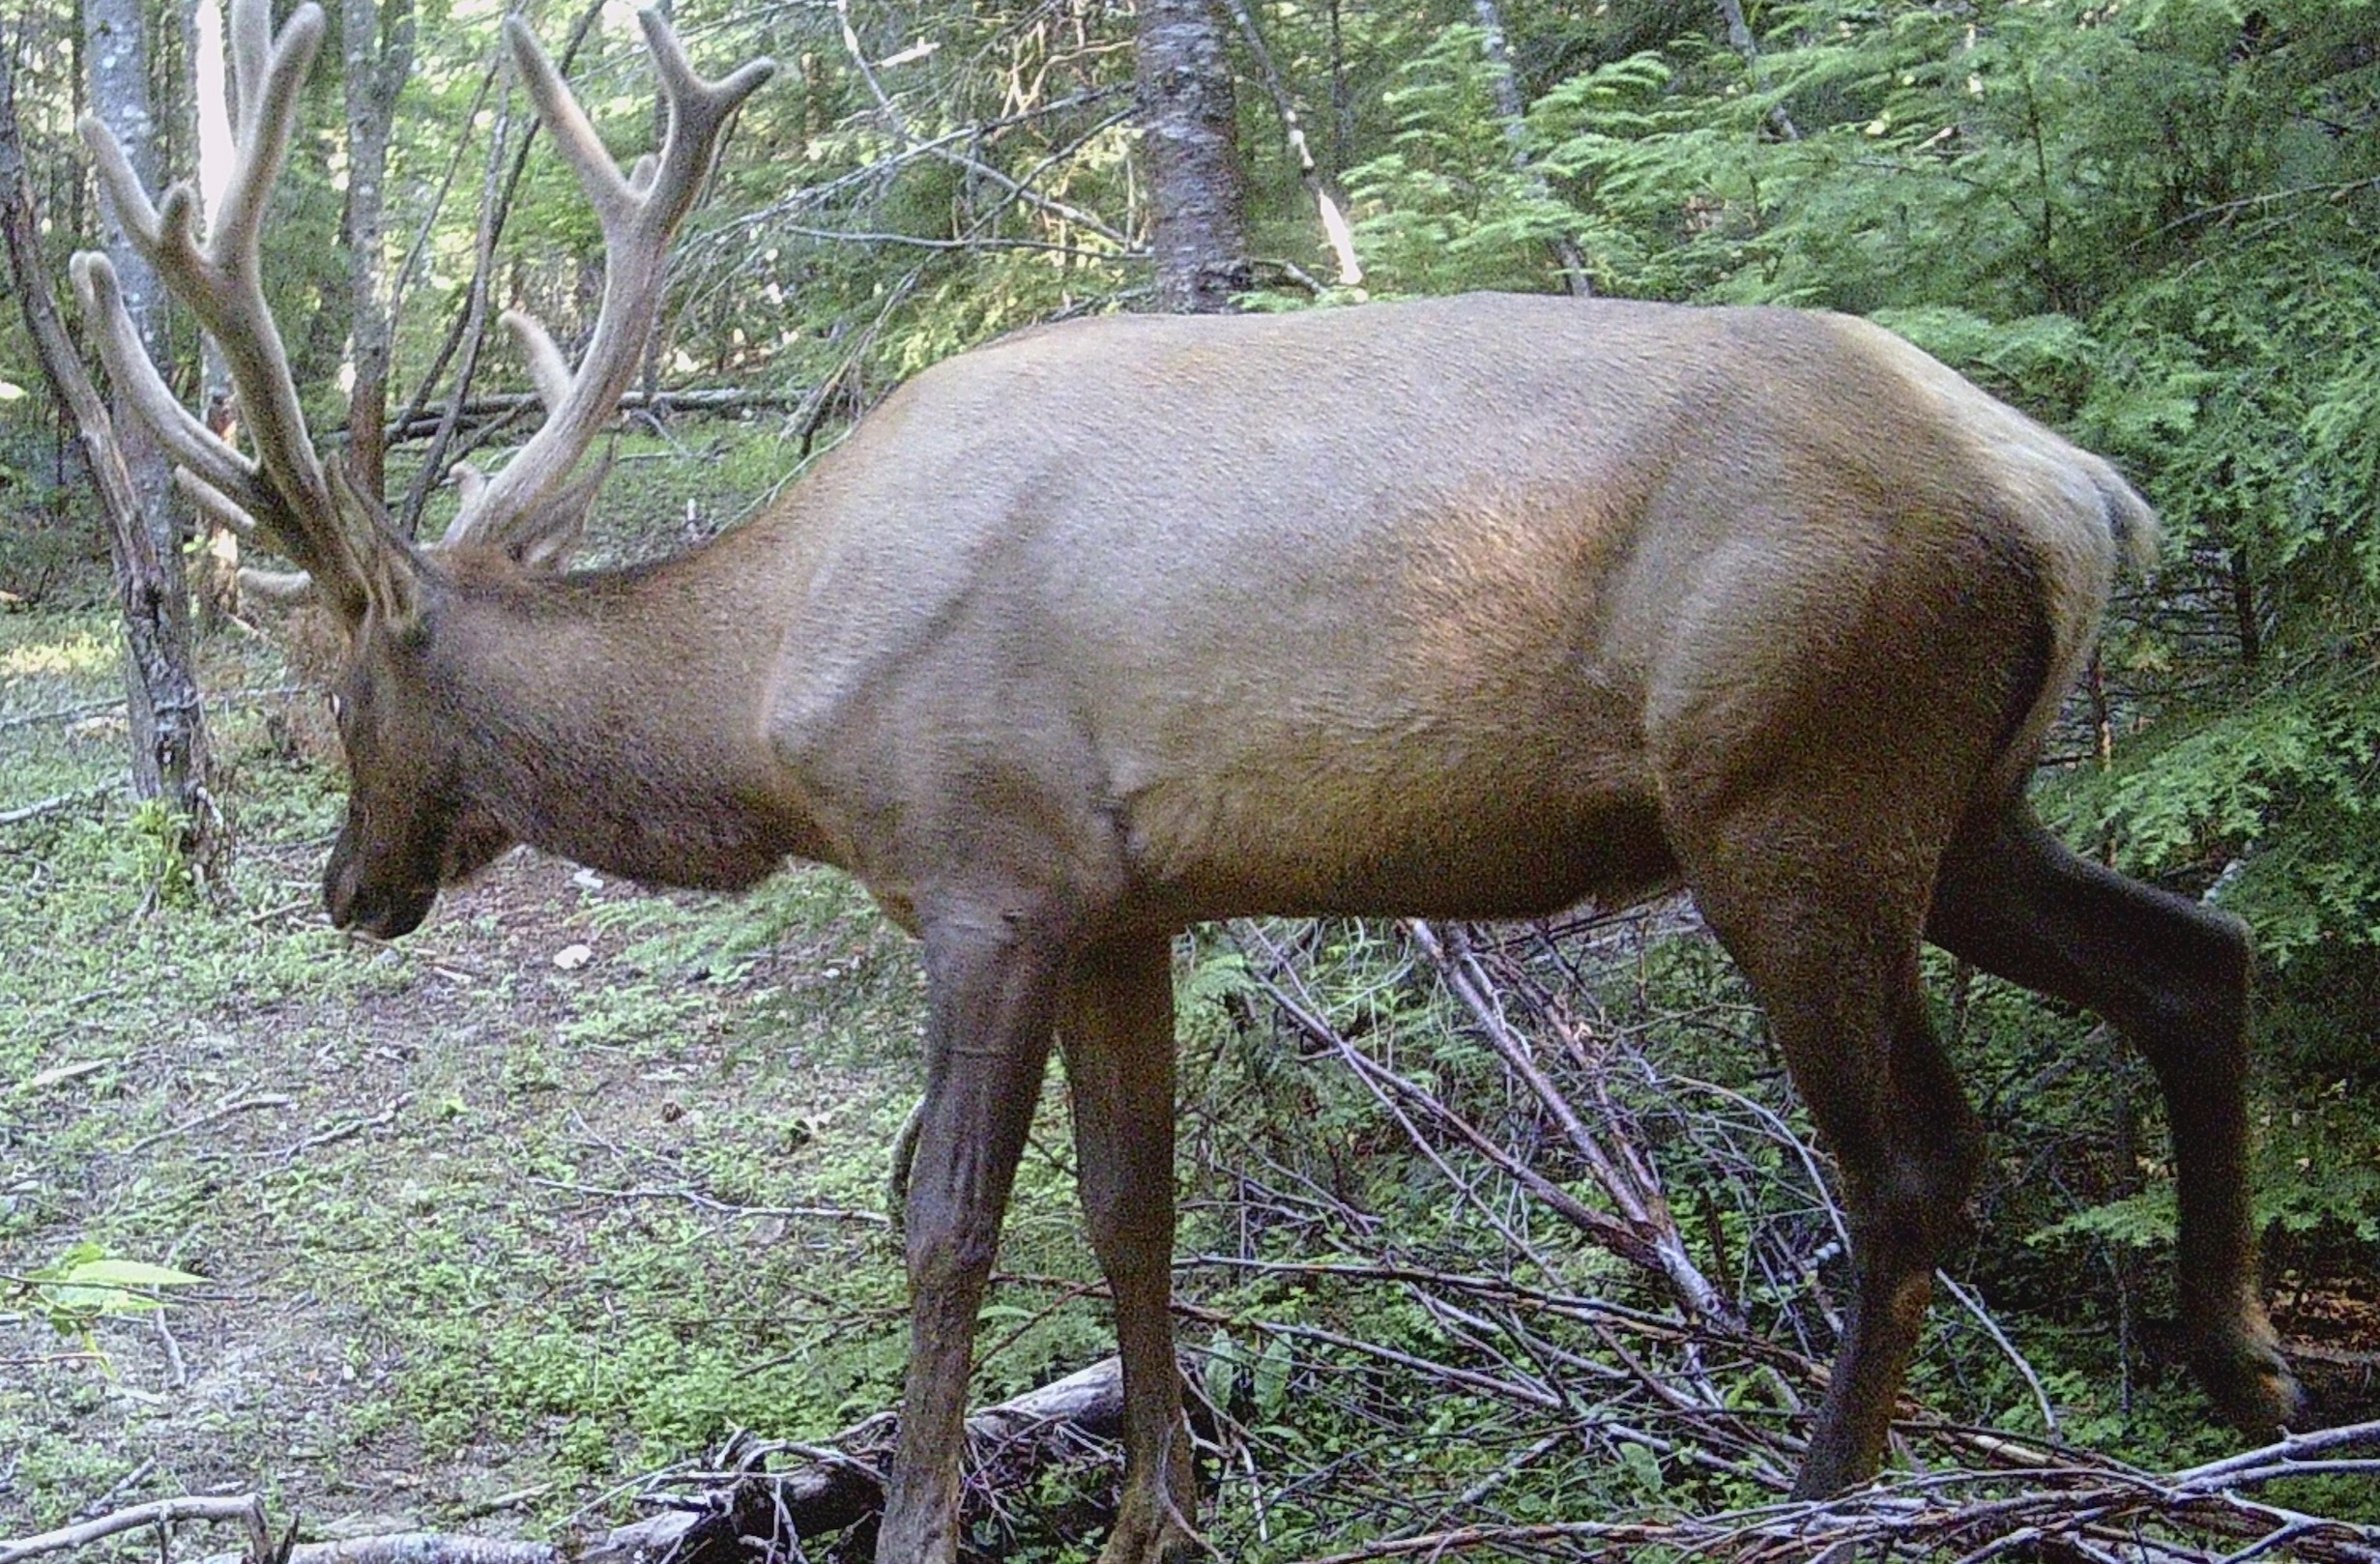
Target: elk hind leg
2172,976
1116,1028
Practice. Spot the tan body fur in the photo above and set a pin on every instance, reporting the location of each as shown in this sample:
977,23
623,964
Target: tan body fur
1462,608
1521,550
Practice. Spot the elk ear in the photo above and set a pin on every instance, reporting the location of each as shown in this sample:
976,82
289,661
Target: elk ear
545,535
385,564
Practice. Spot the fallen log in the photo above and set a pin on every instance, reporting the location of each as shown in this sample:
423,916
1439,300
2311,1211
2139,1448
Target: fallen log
409,1547
823,1489
505,404
840,1484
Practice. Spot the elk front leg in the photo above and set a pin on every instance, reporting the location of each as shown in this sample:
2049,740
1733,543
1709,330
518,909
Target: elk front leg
990,992
1116,1027
2172,976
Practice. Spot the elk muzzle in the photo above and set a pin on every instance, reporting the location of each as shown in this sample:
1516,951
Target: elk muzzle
368,904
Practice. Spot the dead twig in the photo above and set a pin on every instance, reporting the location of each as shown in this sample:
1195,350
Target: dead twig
216,1115
710,1203
347,1128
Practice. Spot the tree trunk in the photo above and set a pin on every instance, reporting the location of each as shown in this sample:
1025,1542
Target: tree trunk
379,50
218,562
169,730
116,49
1197,196
648,378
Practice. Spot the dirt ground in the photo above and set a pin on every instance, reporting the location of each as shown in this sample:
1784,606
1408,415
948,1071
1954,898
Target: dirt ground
532,1090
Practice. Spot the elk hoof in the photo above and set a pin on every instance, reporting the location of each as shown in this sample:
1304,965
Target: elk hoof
1165,1543
2251,1382
1149,1528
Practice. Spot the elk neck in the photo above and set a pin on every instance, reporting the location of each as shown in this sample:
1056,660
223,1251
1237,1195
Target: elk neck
615,717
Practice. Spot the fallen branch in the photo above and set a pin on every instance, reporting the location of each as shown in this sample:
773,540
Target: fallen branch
58,801
707,1203
2090,1510
423,424
96,708
63,713
215,1116
247,1508
249,1511
2085,1506
1528,1338
122,1486
1625,1175
409,1547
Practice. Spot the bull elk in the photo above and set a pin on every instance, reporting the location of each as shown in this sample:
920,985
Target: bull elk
1464,608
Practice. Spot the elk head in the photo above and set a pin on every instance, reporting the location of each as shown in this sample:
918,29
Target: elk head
414,822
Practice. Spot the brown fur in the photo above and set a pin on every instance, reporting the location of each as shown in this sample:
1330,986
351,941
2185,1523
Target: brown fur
1462,608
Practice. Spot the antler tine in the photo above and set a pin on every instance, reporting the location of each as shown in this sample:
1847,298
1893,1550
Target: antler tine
267,89
283,487
218,477
286,589
242,324
247,37
547,367
164,235
219,506
574,135
639,216
698,109
187,440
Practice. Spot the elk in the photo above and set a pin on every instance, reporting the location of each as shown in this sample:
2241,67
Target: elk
1462,608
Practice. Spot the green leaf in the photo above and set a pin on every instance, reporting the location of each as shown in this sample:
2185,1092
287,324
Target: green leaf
1642,1467
1272,1376
127,1273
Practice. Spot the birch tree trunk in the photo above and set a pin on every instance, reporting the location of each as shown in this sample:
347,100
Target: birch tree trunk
167,748
1197,189
169,732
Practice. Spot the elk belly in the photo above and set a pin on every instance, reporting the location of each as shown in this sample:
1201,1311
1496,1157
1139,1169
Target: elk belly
1430,824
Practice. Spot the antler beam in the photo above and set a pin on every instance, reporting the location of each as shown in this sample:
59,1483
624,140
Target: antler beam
640,213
